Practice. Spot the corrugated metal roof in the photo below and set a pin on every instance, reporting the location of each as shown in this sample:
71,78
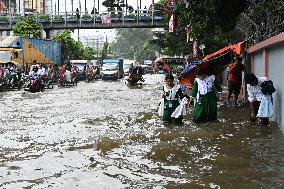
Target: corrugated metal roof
7,41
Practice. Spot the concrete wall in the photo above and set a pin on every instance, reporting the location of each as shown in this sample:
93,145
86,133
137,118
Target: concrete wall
267,59
276,74
258,64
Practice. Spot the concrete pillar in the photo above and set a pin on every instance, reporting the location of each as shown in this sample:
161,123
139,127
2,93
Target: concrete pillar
47,33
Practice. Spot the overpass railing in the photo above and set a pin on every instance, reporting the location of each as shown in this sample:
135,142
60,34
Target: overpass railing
103,17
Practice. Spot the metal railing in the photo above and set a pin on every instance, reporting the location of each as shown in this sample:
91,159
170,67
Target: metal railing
103,17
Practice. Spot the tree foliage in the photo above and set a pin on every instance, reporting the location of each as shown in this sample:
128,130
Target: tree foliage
105,50
70,49
262,20
118,4
213,23
132,43
89,53
28,27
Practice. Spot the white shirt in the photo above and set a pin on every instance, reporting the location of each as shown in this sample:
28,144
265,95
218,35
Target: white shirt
171,91
254,92
41,71
68,75
205,85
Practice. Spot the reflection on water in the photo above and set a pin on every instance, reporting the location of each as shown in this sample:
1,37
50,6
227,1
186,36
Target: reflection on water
108,135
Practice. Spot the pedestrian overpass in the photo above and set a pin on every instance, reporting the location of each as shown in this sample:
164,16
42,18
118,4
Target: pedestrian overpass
98,20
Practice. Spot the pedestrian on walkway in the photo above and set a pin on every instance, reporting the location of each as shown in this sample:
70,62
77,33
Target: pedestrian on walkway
235,78
172,106
77,14
204,93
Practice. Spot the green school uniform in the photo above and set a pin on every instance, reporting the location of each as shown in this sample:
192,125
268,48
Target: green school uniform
206,106
171,102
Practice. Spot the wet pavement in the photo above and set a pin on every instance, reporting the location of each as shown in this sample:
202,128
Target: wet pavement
108,135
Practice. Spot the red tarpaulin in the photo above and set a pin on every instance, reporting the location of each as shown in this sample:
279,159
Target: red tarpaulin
237,48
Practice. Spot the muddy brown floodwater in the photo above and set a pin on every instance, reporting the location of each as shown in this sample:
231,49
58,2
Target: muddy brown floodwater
108,135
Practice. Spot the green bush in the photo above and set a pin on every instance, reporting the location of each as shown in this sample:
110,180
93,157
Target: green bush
71,17
58,18
87,17
3,18
44,17
17,18
130,16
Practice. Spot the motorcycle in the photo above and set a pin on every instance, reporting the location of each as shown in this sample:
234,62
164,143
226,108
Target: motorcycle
34,85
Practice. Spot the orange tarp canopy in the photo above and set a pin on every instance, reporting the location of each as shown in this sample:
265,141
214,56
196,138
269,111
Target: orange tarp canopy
238,48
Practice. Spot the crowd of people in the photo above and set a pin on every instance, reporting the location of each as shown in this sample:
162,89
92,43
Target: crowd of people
9,74
207,90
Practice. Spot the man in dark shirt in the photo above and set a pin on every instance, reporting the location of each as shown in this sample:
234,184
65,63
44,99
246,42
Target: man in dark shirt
235,78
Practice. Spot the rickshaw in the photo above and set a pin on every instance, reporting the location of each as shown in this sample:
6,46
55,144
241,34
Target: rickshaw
135,75
92,73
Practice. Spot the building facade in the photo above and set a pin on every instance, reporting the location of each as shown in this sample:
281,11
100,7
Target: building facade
21,6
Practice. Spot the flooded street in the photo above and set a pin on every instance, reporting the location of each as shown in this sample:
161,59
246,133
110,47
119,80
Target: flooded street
108,135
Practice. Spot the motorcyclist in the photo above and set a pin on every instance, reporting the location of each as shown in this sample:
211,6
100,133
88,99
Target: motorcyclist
12,76
68,75
35,74
36,80
74,73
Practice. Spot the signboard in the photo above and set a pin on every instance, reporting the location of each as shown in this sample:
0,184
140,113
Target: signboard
171,24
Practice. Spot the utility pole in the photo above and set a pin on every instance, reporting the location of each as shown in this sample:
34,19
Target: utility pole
97,48
126,3
24,7
98,5
72,6
44,6
78,35
36,6
58,7
85,5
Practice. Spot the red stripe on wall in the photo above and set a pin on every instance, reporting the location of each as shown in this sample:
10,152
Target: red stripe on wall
266,61
264,44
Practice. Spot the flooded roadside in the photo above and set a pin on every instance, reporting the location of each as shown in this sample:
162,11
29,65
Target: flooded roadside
108,135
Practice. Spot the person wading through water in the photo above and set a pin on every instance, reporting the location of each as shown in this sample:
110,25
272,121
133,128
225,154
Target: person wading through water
204,92
172,106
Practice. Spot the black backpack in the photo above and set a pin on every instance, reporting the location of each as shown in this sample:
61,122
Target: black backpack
267,87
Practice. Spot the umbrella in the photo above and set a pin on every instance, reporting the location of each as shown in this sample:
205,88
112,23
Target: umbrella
213,66
187,76
237,48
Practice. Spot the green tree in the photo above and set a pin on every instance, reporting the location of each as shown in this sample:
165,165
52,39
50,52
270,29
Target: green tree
132,43
28,27
105,50
262,20
210,24
118,4
89,53
70,49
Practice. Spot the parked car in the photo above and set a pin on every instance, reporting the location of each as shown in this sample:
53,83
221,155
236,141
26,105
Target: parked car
109,66
110,72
